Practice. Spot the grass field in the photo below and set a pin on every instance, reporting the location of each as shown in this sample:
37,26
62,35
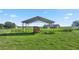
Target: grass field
40,41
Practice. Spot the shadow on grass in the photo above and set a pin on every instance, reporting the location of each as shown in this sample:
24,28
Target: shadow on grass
16,34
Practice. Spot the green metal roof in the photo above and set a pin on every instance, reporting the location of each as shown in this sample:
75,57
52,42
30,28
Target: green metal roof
38,18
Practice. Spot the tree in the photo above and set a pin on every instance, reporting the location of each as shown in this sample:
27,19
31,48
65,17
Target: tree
13,25
75,24
9,25
1,26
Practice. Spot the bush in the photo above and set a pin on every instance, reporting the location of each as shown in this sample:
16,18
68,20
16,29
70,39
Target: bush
26,30
17,30
77,29
67,30
47,31
57,29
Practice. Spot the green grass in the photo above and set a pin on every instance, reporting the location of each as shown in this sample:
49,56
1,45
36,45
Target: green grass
39,41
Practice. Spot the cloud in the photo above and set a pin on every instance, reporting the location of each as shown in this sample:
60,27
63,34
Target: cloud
69,14
13,16
66,17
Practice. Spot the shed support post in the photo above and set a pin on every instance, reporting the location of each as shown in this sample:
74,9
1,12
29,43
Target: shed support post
22,25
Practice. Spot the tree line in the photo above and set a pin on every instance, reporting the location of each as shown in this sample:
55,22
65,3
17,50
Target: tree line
7,25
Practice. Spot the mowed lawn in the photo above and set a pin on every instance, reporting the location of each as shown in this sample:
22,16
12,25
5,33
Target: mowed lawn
57,41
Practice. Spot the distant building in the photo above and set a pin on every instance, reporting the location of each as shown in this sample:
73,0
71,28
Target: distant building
52,26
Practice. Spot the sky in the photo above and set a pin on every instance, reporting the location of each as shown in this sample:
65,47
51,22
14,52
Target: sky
64,17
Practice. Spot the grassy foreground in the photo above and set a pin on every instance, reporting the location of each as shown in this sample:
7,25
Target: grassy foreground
57,41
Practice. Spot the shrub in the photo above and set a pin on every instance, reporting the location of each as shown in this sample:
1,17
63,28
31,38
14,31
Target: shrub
47,31
67,30
77,29
26,30
17,30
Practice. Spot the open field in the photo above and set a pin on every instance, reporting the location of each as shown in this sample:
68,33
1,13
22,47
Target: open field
40,41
